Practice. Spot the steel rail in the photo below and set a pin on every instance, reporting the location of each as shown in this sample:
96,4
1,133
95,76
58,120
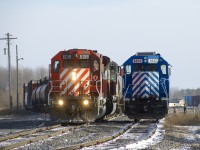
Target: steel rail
107,138
39,138
23,133
94,142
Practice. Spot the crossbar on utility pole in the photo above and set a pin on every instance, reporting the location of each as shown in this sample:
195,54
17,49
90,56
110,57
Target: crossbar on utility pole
8,38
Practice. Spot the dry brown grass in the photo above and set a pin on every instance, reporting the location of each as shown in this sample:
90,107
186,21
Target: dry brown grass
183,119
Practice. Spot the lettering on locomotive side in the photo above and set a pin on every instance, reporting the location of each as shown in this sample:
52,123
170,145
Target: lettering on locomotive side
137,60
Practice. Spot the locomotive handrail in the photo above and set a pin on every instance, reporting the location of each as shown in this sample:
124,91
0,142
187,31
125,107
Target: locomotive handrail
58,83
162,80
96,86
50,92
126,90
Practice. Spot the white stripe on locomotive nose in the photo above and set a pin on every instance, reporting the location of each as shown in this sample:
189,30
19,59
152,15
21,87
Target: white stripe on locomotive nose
136,91
142,78
78,84
136,77
138,83
149,79
156,86
68,84
146,87
145,95
67,77
157,94
63,73
77,77
72,82
80,73
152,76
139,88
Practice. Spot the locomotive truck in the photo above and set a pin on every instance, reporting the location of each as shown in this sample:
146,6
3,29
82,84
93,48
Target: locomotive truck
82,85
146,86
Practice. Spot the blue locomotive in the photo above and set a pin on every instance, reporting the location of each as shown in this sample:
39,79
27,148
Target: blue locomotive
146,86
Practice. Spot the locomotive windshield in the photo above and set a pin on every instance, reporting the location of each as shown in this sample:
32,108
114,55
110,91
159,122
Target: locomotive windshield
76,63
145,67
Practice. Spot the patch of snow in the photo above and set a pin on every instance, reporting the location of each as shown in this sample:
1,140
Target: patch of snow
195,130
156,138
40,118
184,148
190,138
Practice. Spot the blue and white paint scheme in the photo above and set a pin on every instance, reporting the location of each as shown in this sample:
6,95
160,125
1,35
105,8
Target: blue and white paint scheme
145,83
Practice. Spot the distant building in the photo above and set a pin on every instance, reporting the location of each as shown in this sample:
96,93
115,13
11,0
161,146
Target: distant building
176,102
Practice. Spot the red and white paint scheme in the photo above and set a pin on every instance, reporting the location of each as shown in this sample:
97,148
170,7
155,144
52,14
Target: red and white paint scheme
75,82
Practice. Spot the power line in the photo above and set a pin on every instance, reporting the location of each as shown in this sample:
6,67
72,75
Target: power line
9,38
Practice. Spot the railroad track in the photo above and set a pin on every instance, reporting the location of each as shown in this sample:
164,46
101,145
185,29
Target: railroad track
26,137
110,132
132,133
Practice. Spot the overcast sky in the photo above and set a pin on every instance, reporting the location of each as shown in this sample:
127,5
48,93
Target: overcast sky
116,28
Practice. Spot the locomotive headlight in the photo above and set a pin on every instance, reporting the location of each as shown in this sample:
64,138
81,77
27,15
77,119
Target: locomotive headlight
60,102
85,102
74,76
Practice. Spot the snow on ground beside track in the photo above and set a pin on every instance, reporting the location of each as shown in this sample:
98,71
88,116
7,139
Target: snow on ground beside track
156,138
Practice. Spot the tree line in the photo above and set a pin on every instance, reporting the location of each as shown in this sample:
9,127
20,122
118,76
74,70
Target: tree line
177,93
26,74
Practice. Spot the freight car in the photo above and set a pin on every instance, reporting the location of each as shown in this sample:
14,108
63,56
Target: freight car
146,86
82,85
192,100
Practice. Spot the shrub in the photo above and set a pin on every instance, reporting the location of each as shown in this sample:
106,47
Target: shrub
183,119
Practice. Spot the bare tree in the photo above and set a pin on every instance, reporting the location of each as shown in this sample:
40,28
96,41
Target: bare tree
41,72
24,76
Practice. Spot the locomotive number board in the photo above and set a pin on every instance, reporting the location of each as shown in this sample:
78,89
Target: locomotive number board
137,60
84,56
153,61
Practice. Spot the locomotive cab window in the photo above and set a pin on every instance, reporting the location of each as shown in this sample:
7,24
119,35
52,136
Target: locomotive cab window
74,64
163,69
113,70
139,67
151,67
83,64
128,69
56,66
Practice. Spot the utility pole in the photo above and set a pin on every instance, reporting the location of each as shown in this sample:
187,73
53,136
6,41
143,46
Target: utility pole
17,59
8,38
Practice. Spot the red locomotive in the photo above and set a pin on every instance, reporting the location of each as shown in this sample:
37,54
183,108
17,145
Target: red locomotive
82,84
